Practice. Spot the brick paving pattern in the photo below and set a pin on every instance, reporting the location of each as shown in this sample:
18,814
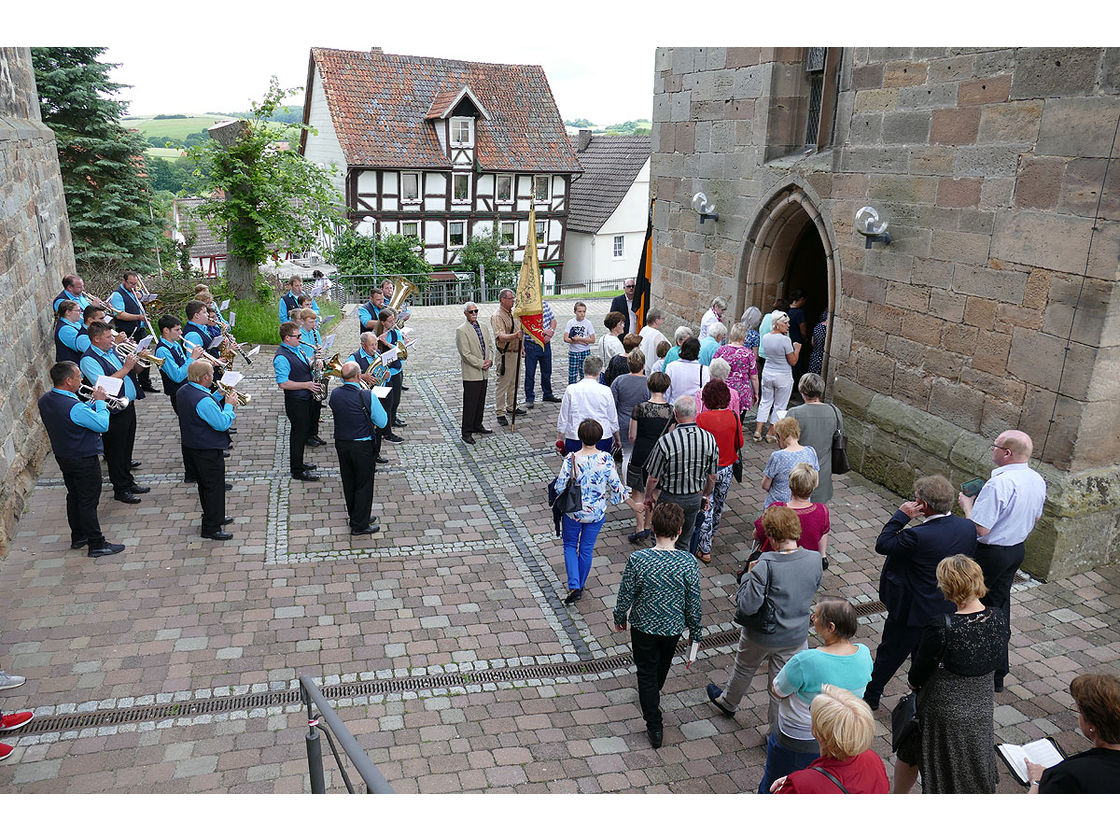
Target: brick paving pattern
465,576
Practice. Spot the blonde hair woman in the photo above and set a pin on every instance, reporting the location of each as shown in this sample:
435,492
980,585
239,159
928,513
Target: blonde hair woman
781,463
777,376
844,727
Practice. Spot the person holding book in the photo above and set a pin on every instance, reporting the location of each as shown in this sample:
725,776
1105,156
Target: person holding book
1097,697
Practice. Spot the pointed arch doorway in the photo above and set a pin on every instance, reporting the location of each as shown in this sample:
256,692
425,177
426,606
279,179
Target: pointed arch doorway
789,248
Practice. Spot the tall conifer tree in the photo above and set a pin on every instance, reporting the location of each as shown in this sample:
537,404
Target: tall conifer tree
102,163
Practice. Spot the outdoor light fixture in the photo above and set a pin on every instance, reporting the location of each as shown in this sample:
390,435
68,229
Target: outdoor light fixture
706,209
871,226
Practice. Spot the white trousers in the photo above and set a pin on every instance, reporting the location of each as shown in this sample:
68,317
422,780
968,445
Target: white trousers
775,396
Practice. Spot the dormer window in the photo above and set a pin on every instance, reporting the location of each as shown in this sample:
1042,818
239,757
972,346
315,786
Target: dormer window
462,131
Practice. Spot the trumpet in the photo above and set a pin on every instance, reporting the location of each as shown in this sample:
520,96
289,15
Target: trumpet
114,403
218,363
228,391
128,347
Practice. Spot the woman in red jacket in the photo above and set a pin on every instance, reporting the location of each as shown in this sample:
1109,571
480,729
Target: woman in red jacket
844,727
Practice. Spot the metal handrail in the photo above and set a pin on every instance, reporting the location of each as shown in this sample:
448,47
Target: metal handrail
311,696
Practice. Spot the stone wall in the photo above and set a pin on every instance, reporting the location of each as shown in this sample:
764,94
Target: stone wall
35,252
996,306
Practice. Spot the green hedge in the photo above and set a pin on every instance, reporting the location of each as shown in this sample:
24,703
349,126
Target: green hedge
259,323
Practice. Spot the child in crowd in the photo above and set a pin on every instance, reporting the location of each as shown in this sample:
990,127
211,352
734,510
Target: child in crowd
579,335
663,348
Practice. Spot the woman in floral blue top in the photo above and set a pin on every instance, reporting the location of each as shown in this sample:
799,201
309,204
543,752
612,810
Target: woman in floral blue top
599,485
790,453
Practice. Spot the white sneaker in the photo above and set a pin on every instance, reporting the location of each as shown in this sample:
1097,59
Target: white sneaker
10,680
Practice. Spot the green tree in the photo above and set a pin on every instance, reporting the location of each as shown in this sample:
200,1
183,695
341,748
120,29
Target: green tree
486,251
264,198
353,253
107,193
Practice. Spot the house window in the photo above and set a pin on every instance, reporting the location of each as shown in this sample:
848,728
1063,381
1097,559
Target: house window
461,131
461,188
619,247
504,188
509,234
410,186
542,231
540,187
410,229
455,234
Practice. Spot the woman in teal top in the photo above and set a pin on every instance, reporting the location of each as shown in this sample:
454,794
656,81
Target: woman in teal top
836,661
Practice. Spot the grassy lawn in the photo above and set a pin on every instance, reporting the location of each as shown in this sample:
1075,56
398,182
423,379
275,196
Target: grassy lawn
259,323
176,129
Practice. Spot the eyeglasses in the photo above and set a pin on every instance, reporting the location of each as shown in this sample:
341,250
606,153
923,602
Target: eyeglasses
997,446
631,286
472,311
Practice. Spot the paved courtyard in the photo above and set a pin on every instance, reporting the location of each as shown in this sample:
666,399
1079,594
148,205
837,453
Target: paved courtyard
444,637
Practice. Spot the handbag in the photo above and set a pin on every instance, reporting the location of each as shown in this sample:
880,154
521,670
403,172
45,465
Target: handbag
765,619
737,467
840,463
570,499
906,718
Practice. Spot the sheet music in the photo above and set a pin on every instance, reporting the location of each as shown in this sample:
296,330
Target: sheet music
389,356
110,384
232,320
380,391
327,342
254,351
143,343
232,378
217,340
225,305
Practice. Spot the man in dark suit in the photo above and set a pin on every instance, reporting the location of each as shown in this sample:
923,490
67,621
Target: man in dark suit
908,585
624,303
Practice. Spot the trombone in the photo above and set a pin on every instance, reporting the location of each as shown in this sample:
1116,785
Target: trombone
115,403
218,363
228,391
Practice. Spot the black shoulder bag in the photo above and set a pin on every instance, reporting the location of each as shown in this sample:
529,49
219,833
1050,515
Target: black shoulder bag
764,620
840,463
906,718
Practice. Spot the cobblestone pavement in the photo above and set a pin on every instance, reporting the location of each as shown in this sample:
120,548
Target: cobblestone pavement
464,578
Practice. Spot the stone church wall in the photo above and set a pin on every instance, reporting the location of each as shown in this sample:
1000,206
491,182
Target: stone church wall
996,306
35,252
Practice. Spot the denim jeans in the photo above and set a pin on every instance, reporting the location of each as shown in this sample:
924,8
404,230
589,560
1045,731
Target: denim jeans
535,354
579,542
781,761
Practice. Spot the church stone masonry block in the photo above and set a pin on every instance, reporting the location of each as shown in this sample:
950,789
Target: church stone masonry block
35,252
996,306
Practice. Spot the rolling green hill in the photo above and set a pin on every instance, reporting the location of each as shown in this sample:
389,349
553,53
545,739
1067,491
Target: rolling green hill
178,129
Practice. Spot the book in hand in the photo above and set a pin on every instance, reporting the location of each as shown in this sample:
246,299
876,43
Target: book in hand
1043,751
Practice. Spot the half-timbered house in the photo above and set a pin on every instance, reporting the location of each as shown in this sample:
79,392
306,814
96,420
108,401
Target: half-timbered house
442,150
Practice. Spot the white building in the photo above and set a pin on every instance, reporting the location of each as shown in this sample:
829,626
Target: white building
442,149
609,210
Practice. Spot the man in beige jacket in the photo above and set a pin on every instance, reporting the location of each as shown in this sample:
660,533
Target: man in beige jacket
476,353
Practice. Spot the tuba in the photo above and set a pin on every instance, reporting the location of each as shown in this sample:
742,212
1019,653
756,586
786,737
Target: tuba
402,290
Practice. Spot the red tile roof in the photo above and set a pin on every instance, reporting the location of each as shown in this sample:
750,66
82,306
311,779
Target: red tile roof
382,104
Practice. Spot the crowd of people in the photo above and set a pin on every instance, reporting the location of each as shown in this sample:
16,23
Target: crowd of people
668,418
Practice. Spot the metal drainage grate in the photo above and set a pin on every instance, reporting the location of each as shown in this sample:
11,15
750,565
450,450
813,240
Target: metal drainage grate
365,688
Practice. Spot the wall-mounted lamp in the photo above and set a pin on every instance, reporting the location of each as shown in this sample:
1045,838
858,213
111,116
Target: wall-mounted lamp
873,228
706,209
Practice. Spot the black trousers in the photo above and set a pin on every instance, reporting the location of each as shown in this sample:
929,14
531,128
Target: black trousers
652,657
299,414
210,467
474,402
118,442
355,462
83,491
899,641
316,413
1000,563
393,400
188,468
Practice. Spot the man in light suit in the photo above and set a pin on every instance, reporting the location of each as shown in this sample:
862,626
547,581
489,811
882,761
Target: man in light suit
476,353
908,585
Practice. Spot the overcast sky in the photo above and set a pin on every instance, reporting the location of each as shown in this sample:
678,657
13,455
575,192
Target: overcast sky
208,55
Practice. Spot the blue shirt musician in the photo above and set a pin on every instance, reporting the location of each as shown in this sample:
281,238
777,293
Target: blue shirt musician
131,319
388,336
292,366
357,415
196,330
204,428
310,337
66,329
120,438
90,314
73,288
370,311
75,429
290,300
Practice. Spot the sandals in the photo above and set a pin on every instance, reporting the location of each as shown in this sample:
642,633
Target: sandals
757,437
704,558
